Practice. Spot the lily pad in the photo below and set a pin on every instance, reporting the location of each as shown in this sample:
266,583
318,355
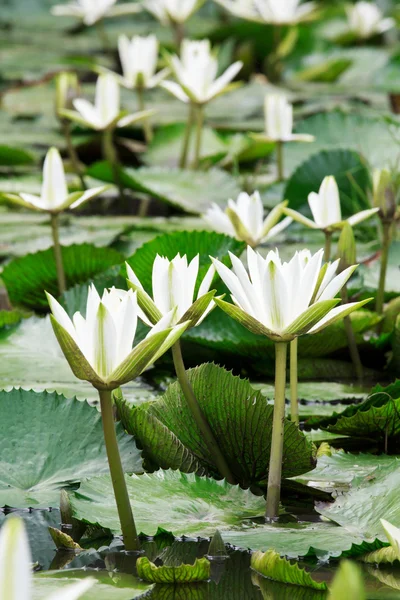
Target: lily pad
48,442
184,504
239,416
271,565
148,571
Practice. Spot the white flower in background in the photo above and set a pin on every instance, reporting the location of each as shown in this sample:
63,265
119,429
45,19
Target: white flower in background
278,114
244,219
16,577
92,11
365,20
106,112
326,211
54,197
98,347
276,12
172,11
283,300
139,58
196,73
173,284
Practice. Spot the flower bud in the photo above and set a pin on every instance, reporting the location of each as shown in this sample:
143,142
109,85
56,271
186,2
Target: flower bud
384,196
346,250
67,89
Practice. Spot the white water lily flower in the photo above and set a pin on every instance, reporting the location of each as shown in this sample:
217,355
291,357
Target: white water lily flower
393,535
172,11
365,20
106,112
98,347
244,219
276,12
196,73
54,197
139,58
92,11
325,208
15,567
173,284
278,113
283,300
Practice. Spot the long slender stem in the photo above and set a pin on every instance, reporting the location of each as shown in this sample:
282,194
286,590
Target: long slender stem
105,42
186,140
128,527
294,394
73,156
386,241
199,135
179,34
351,340
275,462
277,64
110,154
328,246
147,128
198,415
279,160
62,286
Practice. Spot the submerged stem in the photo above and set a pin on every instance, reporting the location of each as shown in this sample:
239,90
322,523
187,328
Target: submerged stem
278,426
351,340
147,128
62,286
179,34
128,527
279,159
110,154
386,241
294,395
328,245
199,135
186,140
73,156
198,415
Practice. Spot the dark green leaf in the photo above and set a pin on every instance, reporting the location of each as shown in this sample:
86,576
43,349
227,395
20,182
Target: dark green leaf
148,571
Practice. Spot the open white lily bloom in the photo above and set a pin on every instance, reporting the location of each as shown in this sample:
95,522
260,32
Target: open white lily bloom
92,11
173,284
365,20
54,197
278,113
276,12
98,347
325,208
284,300
196,74
393,535
106,112
15,567
139,58
172,11
244,219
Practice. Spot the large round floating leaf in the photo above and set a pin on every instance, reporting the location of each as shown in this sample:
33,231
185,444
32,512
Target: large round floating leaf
192,191
239,416
184,504
191,243
271,565
183,573
349,169
27,277
48,442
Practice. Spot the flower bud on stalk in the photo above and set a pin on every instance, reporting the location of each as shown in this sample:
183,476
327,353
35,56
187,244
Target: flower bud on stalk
67,89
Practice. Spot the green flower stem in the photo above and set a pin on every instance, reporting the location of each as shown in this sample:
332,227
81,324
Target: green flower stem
199,135
279,160
73,156
186,140
198,415
278,426
110,154
351,340
277,63
179,34
131,540
147,128
101,30
328,246
386,241
62,286
294,394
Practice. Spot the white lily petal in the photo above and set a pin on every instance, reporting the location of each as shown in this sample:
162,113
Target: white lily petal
15,561
54,187
207,281
362,216
61,315
334,287
74,591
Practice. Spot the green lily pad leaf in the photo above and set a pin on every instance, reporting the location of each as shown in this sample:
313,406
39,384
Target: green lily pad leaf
11,156
8,318
271,565
27,277
184,504
338,130
349,169
188,591
192,191
148,571
47,442
272,589
118,586
239,416
191,243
